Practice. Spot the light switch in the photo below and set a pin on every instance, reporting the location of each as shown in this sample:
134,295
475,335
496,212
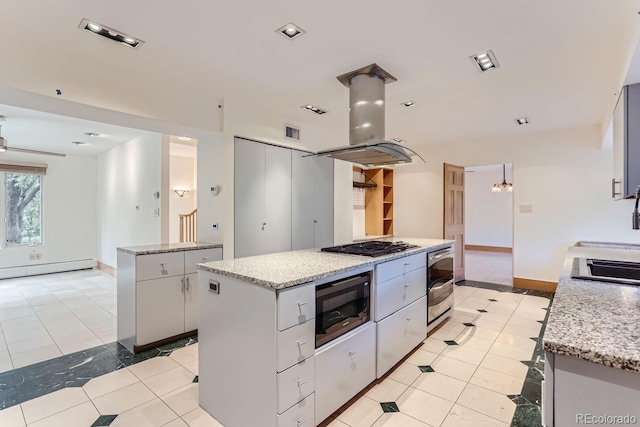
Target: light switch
526,208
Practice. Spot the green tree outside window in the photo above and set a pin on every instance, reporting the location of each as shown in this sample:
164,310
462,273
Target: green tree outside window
23,220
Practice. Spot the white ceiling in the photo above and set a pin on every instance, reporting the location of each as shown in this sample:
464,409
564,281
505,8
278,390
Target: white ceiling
51,132
487,168
561,61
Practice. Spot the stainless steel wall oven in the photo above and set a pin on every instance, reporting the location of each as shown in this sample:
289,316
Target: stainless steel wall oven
342,306
440,269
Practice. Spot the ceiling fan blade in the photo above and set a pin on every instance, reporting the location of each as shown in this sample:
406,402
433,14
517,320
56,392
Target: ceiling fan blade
26,150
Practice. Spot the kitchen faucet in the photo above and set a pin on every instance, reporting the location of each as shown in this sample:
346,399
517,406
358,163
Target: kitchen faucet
636,215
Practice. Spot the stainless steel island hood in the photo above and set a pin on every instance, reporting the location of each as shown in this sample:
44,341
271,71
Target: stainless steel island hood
367,145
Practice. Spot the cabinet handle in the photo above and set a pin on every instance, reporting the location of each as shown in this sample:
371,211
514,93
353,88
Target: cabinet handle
263,224
182,280
408,319
300,304
613,188
301,343
352,353
204,258
407,285
302,382
187,283
300,422
407,263
162,264
315,221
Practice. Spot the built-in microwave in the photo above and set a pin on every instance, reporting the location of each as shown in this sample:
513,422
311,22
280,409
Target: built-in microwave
342,306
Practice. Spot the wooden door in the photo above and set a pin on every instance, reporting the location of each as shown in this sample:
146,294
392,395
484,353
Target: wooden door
454,214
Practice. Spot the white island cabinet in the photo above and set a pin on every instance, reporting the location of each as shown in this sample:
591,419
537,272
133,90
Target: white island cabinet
157,295
259,364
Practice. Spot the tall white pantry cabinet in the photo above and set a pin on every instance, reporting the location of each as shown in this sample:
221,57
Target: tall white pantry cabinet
283,199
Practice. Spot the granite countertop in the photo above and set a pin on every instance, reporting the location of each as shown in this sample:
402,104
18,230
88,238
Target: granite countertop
596,321
286,269
168,247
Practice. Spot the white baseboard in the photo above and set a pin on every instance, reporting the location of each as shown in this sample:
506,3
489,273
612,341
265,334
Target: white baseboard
54,267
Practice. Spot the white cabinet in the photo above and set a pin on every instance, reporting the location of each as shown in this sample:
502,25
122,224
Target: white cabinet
311,201
626,143
400,308
343,369
400,333
262,178
158,295
299,415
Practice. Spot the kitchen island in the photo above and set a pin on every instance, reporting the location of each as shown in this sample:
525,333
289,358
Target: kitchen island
592,345
156,300
261,361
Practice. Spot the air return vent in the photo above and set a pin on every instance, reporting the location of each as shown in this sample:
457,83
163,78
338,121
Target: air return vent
291,132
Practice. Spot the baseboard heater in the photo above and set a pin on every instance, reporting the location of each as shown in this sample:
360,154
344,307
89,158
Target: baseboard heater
52,267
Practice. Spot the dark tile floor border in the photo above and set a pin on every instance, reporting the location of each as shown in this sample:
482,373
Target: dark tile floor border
74,370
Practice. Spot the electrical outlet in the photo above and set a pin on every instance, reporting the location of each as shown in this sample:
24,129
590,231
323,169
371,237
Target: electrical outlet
215,226
526,208
35,256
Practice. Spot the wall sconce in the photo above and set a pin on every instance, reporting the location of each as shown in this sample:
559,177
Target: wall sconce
181,193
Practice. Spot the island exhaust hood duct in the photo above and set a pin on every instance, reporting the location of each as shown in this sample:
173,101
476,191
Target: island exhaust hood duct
367,145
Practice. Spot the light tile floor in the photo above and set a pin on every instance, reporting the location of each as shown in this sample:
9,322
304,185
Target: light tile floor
42,317
467,388
489,267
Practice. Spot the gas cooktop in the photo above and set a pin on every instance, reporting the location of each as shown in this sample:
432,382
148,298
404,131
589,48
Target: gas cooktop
371,248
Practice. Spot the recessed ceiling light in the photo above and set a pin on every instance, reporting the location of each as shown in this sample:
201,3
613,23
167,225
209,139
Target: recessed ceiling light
78,142
408,104
314,109
110,33
398,140
184,138
485,61
522,120
291,31
91,134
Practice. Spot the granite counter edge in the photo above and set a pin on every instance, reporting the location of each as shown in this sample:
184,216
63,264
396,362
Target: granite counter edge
168,250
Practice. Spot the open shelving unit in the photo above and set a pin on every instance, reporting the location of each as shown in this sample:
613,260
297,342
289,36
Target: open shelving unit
379,202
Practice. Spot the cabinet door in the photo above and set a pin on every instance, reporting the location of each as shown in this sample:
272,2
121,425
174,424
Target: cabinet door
619,137
250,198
343,369
302,200
278,200
399,333
632,149
191,312
323,202
159,309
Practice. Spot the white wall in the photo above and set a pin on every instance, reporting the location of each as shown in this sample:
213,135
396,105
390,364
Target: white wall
268,126
182,174
488,217
211,168
68,209
565,175
128,176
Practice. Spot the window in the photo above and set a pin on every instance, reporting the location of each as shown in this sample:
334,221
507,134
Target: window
23,208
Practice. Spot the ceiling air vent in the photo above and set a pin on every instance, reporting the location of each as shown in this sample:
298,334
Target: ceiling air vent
291,133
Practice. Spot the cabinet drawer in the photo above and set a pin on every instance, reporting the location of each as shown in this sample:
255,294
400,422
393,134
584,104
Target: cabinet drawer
155,266
295,344
343,369
399,333
296,305
295,384
300,415
397,267
396,293
192,258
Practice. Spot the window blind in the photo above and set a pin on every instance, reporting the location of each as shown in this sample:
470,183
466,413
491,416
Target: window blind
23,167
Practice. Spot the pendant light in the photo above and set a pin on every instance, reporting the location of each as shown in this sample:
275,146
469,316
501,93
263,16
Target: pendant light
498,188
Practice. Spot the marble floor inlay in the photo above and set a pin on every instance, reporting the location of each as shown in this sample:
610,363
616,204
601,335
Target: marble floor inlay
476,369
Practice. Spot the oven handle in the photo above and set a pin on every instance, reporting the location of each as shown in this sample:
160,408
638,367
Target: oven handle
440,254
437,288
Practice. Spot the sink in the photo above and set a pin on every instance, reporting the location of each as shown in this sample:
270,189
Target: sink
605,270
